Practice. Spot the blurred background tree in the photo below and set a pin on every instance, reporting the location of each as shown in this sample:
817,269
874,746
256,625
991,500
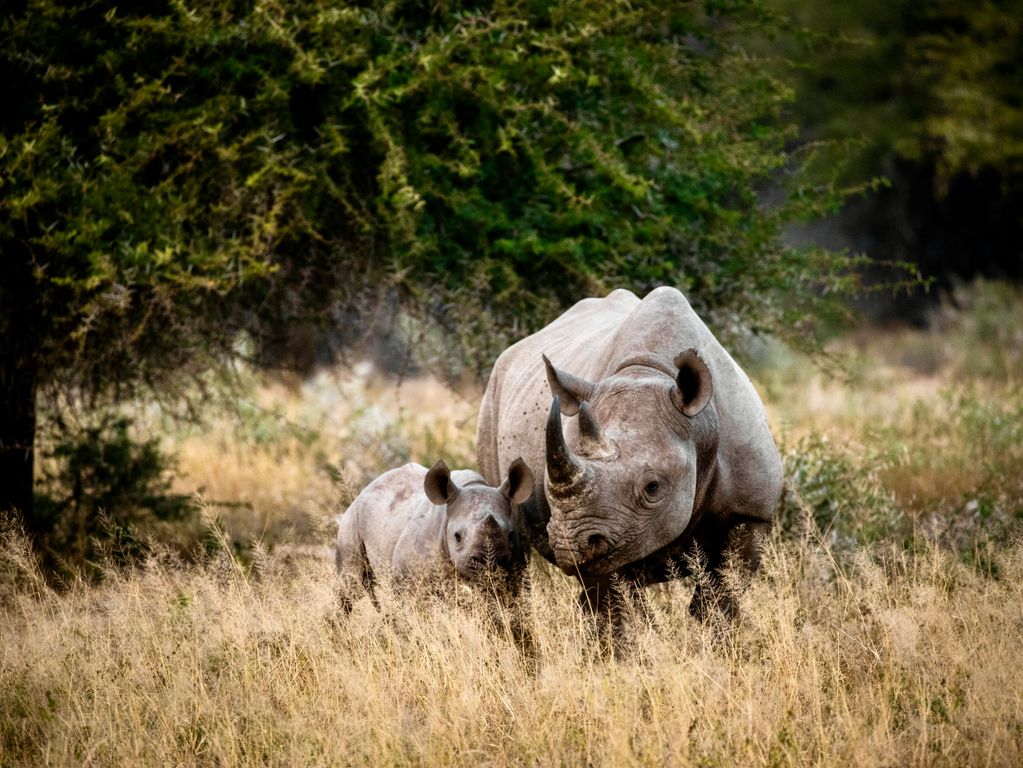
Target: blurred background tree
176,179
929,94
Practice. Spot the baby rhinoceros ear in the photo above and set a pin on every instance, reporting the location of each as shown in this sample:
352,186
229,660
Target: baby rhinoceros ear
518,486
439,487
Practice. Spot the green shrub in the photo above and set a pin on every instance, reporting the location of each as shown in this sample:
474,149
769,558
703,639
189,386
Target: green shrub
175,177
102,497
984,327
834,489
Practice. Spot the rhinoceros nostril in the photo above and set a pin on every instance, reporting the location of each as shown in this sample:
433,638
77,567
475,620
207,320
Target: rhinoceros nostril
596,546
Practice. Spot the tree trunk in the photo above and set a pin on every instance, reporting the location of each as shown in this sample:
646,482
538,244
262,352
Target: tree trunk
18,380
17,433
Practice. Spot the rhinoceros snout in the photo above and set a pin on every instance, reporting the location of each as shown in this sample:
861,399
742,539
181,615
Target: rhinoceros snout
576,553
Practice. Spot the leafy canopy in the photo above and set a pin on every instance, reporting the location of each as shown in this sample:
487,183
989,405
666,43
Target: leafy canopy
173,173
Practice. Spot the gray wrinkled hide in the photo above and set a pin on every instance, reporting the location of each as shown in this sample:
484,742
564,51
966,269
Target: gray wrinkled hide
392,530
718,474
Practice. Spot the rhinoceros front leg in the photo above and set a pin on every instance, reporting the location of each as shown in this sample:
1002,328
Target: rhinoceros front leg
708,552
596,596
612,601
729,551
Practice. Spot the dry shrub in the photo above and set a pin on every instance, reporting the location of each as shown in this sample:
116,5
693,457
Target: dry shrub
894,449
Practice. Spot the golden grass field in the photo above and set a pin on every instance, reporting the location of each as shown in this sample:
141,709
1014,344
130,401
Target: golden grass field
885,627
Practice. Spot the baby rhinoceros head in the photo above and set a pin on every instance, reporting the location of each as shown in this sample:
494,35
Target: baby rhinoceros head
480,535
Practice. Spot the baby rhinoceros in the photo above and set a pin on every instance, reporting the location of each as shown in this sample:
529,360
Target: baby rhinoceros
425,526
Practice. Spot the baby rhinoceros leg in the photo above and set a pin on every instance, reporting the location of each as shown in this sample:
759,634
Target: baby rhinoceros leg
354,577
354,574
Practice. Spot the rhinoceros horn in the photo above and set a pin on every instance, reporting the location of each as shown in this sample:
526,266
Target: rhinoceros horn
572,390
589,430
564,469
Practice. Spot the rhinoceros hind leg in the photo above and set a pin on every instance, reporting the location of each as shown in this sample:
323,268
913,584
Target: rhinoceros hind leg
354,577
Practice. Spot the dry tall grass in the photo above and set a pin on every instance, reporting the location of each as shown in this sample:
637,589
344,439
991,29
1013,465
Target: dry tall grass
872,636
294,455
899,658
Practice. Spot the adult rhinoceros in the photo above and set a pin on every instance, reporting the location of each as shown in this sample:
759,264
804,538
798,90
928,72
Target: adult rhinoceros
669,447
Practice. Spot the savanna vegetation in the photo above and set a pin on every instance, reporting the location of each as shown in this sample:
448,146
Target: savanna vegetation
210,216
882,630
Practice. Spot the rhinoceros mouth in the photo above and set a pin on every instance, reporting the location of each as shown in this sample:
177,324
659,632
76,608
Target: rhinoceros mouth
601,567
480,570
592,553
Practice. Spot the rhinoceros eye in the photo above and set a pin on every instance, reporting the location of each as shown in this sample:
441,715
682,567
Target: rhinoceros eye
458,537
653,488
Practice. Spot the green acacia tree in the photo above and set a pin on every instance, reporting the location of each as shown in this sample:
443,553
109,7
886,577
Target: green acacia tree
175,173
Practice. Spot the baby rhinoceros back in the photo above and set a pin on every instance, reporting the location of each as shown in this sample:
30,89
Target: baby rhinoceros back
427,526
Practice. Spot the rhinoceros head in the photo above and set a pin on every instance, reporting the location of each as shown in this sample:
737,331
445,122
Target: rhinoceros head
480,534
623,477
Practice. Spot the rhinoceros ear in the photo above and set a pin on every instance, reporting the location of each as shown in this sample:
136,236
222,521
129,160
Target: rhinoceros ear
570,390
694,387
439,487
519,484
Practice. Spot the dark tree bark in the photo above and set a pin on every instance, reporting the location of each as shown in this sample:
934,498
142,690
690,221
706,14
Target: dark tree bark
19,367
